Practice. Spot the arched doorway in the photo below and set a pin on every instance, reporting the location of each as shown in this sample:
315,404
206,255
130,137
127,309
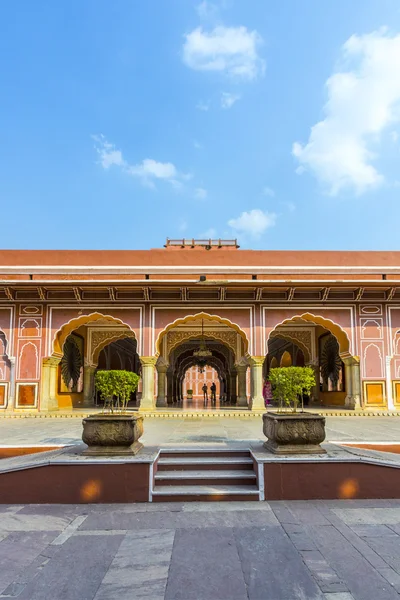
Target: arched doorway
79,347
226,347
312,340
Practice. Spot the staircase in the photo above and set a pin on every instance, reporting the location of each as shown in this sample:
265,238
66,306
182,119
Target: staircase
205,475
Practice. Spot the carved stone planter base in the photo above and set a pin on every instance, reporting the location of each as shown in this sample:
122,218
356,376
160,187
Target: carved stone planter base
294,433
291,449
113,450
112,435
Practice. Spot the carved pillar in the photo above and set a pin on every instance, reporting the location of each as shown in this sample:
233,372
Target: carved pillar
242,376
88,385
256,372
389,391
148,370
314,395
353,382
162,367
169,388
48,399
233,381
11,392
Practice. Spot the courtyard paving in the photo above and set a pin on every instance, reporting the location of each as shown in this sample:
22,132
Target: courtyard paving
314,550
158,431
332,550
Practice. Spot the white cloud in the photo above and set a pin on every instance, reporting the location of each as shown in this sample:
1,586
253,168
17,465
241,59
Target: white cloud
267,191
200,193
108,154
228,100
290,206
148,170
203,105
207,10
394,136
253,223
363,99
232,50
197,145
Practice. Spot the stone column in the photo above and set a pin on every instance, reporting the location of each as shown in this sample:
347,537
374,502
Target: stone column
88,385
233,394
148,368
389,391
353,382
242,376
314,395
162,367
11,391
169,388
48,399
256,372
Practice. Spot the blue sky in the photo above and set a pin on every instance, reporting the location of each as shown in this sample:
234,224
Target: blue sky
126,122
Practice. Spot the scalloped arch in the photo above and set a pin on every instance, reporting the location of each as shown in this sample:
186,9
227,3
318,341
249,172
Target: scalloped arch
196,317
65,330
337,330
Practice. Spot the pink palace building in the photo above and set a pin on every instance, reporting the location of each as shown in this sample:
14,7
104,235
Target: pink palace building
65,314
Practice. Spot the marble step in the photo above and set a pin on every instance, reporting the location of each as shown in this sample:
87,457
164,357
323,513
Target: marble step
216,453
204,477
204,463
206,493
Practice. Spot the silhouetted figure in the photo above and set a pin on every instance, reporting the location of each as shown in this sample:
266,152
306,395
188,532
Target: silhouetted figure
205,393
213,392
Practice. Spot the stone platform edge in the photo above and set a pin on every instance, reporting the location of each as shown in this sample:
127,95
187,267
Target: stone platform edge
192,414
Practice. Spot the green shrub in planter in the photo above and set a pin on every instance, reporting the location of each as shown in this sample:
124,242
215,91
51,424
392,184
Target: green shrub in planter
120,384
290,383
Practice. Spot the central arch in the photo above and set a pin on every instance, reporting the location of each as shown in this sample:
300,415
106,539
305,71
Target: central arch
202,316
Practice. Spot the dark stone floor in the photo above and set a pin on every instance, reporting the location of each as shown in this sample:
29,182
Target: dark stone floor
333,550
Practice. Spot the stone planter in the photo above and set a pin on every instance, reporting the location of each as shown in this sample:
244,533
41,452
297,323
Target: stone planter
294,433
189,394
112,434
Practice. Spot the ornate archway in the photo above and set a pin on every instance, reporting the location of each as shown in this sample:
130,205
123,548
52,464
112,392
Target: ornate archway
326,361
225,336
77,345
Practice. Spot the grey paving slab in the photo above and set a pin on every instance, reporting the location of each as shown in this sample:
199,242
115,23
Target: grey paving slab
122,520
307,513
373,530
18,551
205,565
339,596
364,582
372,516
272,567
76,571
225,506
66,511
228,518
21,522
388,548
140,567
357,542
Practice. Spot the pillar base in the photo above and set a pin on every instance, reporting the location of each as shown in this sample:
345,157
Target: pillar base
257,404
161,402
241,401
352,402
51,405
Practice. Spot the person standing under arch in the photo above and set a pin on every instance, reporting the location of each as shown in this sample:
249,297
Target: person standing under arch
213,392
205,393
